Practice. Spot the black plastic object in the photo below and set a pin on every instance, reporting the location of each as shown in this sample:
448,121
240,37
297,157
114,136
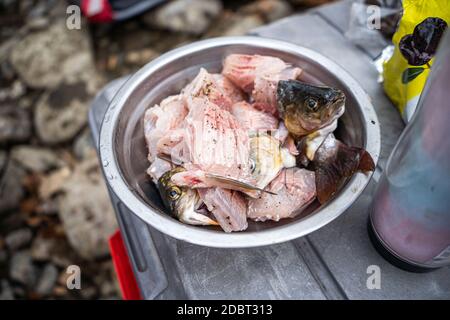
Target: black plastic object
420,46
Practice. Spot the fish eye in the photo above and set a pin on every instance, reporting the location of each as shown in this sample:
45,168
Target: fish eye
174,193
312,104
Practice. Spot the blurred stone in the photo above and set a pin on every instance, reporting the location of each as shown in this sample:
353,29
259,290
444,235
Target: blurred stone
83,145
42,248
28,205
17,89
61,114
269,10
36,159
6,292
12,92
11,190
60,291
63,255
112,62
35,221
3,160
11,221
233,23
53,183
53,249
240,25
108,289
22,270
25,102
19,292
6,72
47,207
15,124
106,281
140,57
88,293
44,59
47,280
188,16
18,239
310,3
38,23
3,256
62,278
89,223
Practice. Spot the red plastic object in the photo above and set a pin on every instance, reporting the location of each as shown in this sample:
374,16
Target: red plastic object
125,275
97,10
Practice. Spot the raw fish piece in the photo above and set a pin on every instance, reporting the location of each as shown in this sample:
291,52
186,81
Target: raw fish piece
253,119
205,85
161,119
242,69
229,88
295,189
228,207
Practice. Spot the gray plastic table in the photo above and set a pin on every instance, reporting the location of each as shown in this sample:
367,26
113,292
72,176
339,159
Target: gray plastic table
330,263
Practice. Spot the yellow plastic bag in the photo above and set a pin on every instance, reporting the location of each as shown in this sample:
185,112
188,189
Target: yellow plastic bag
415,41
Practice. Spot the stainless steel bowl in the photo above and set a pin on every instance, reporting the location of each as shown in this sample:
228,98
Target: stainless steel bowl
124,156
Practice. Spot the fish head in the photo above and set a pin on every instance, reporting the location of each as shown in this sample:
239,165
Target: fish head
267,158
306,108
184,203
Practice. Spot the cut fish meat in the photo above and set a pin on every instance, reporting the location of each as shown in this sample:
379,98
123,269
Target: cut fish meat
242,69
229,88
253,119
228,207
295,189
160,120
214,87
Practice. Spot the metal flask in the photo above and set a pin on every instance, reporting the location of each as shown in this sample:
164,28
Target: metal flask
410,215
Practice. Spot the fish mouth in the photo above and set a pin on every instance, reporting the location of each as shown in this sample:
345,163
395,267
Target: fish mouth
335,108
190,210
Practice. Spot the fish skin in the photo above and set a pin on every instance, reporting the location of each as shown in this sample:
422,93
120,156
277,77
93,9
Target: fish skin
334,162
268,158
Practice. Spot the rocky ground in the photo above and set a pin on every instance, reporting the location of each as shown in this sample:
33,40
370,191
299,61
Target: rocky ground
54,208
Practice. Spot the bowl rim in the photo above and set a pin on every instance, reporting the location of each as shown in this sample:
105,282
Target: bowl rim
212,238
